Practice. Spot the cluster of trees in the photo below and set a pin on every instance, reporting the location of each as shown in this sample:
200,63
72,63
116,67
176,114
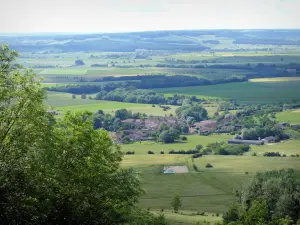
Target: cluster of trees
113,122
191,112
270,198
256,133
58,172
89,88
131,95
221,148
163,81
169,135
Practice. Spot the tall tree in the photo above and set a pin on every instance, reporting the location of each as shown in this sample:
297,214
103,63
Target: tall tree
58,172
176,202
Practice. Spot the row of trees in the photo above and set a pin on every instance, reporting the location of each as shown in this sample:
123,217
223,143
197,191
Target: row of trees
141,96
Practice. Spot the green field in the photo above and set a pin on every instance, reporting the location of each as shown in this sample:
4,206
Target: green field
63,102
290,147
210,190
68,71
193,140
243,92
292,117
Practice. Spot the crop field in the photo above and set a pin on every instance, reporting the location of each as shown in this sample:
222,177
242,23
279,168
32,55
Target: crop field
244,92
292,116
275,79
210,190
193,140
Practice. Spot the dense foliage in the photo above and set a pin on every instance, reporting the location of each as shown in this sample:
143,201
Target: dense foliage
225,149
256,133
58,172
270,198
191,112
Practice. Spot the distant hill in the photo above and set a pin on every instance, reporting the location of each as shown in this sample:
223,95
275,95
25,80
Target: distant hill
180,40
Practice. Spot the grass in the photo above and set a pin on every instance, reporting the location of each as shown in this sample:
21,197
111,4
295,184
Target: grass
243,92
188,217
275,79
210,190
123,71
67,71
63,102
290,147
193,140
292,117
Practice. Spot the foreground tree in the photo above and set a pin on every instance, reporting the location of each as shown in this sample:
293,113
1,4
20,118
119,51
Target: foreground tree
271,198
58,172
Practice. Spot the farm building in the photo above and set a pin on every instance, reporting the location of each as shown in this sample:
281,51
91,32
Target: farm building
249,142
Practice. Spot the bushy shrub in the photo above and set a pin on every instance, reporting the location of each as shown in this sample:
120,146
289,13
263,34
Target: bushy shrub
150,152
162,152
196,155
129,153
184,138
196,168
208,165
193,151
272,154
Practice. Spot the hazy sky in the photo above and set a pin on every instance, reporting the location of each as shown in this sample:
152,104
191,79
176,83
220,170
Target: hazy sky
140,15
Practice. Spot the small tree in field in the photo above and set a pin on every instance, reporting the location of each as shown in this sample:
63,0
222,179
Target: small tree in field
74,96
176,202
83,96
79,62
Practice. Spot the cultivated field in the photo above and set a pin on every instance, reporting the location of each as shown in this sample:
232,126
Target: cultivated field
210,190
275,79
292,117
243,92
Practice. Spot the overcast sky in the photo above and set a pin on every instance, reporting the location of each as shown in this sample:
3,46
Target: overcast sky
140,15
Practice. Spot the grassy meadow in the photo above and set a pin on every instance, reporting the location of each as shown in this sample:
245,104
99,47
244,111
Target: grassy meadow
141,148
212,189
64,102
291,116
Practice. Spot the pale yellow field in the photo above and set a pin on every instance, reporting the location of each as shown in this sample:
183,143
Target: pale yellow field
275,79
